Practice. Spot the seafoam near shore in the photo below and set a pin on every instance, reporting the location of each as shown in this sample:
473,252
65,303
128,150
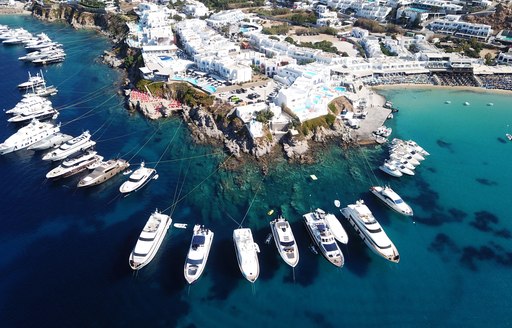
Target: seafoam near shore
410,86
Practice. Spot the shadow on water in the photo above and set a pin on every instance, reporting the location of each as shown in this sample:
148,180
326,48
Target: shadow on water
269,259
318,319
501,140
62,287
444,144
357,255
486,182
226,275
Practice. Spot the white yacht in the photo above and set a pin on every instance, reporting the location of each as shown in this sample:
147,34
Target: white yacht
103,172
28,135
246,253
42,53
392,199
321,235
402,161
50,59
197,253
149,240
74,165
285,241
405,157
138,179
390,169
70,147
412,144
402,168
369,229
407,150
33,81
27,104
54,140
41,114
336,228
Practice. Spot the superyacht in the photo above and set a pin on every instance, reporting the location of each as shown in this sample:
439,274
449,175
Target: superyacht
149,240
70,147
198,253
72,166
105,171
54,140
28,135
41,114
369,229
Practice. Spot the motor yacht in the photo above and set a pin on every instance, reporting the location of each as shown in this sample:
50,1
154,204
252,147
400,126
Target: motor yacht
149,240
509,136
197,253
74,165
32,82
336,228
28,135
285,241
402,161
402,168
369,229
246,253
28,104
50,59
392,199
54,140
70,147
390,169
103,172
39,113
405,157
323,238
138,179
42,53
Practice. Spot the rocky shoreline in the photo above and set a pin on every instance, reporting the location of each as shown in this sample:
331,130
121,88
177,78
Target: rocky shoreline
204,126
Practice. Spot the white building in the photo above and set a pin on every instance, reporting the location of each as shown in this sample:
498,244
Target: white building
504,58
226,17
195,9
213,53
153,28
411,14
452,24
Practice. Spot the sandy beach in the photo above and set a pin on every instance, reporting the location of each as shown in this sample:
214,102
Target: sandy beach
430,86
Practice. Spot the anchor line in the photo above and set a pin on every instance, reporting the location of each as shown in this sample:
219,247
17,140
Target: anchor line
250,205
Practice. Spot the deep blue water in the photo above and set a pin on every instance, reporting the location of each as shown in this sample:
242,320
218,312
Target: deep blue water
65,251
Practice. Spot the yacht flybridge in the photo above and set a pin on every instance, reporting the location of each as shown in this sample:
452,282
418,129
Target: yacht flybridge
369,229
138,179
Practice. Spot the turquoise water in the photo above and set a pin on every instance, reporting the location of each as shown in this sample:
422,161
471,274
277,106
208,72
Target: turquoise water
65,251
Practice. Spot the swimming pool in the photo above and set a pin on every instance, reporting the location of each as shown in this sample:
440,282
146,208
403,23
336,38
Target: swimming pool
165,58
340,89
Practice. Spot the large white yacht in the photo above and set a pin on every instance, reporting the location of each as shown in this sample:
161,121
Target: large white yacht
246,253
285,241
28,135
103,172
198,253
70,147
369,229
75,165
51,141
32,82
26,104
321,235
392,199
138,179
38,113
149,240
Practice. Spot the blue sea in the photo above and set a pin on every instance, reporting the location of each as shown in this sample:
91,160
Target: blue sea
65,251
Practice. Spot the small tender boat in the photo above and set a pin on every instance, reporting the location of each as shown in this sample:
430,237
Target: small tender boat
104,172
390,169
285,241
466,103
180,225
490,104
337,229
149,240
389,197
138,179
198,253
509,136
447,102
